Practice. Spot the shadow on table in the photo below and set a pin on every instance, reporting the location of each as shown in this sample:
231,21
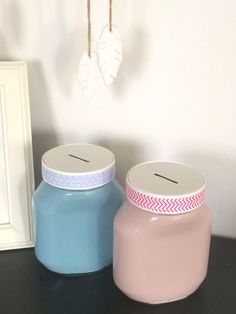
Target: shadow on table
97,293
27,287
191,305
85,293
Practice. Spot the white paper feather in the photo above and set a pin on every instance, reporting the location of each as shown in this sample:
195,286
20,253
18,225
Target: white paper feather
109,51
89,77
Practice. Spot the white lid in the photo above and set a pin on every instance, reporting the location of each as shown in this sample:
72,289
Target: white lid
78,166
165,187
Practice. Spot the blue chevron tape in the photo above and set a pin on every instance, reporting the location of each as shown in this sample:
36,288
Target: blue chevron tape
78,181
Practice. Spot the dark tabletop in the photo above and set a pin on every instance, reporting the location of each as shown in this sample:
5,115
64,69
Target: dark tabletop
26,287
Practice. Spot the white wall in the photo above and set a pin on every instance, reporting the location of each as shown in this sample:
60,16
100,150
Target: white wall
175,96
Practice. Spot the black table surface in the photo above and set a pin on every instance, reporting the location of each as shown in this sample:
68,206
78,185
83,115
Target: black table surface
27,287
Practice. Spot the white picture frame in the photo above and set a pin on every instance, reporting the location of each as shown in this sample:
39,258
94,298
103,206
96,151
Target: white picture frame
16,158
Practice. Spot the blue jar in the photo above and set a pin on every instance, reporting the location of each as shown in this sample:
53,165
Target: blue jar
74,207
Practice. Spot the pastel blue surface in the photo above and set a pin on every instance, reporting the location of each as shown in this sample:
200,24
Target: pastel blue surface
74,229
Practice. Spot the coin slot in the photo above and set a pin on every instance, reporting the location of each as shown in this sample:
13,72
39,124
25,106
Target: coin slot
163,177
76,157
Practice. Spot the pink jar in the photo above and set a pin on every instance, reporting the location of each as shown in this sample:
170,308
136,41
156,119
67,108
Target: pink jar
162,233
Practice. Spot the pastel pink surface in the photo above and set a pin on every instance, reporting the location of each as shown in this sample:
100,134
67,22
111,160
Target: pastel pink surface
160,258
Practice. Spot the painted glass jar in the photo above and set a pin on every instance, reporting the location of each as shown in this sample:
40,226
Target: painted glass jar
74,207
162,233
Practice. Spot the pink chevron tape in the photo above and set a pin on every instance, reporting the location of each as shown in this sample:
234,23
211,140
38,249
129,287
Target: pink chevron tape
168,205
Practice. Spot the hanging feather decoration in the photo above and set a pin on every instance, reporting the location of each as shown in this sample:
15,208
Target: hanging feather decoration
89,75
109,53
109,50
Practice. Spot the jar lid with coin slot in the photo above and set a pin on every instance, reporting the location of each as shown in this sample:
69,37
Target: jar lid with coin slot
165,187
78,166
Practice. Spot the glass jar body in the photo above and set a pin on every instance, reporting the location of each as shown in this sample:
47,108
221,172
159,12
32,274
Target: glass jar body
160,258
73,228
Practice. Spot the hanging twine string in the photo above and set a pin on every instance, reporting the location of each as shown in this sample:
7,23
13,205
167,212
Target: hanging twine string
89,23
110,15
89,27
